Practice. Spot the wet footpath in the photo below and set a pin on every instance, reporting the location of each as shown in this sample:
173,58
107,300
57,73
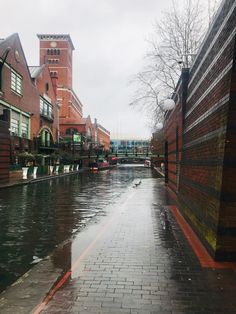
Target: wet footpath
137,259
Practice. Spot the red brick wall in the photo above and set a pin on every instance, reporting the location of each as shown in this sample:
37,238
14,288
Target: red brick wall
227,218
40,122
64,66
173,135
71,111
29,101
208,126
4,151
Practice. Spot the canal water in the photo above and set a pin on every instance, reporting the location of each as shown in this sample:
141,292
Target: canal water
35,218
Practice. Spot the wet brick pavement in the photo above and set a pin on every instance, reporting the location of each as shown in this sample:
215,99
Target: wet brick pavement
142,263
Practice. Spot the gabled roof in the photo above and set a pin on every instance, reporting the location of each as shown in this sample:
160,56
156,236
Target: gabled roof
10,42
36,70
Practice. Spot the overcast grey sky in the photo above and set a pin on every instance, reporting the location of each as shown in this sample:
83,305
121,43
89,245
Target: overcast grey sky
109,39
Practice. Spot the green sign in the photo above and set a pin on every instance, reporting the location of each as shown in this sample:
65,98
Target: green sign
77,138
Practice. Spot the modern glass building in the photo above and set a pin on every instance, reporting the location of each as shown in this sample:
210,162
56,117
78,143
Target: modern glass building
129,146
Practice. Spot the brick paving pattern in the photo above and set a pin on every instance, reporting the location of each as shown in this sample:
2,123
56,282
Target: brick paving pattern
142,263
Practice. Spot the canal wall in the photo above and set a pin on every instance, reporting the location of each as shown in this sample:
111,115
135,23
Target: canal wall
200,139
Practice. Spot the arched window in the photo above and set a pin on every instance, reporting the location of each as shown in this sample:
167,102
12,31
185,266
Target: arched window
45,138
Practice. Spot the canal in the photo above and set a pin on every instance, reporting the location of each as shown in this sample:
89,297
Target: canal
35,218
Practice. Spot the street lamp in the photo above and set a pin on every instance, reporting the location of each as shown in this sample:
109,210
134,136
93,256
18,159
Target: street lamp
159,125
169,103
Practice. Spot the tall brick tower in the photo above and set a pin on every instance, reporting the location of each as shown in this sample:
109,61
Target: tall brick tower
56,51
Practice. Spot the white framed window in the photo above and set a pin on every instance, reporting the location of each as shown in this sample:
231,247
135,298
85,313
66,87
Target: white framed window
46,108
24,126
19,124
15,126
15,122
16,82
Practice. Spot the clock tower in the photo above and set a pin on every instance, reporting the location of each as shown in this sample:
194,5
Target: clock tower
56,51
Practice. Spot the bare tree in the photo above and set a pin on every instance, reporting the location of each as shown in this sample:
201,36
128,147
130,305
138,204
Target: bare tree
173,45
148,94
212,6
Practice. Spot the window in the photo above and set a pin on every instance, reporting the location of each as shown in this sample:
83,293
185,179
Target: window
15,126
53,52
15,122
46,87
24,129
25,126
53,61
19,124
1,109
45,138
53,73
46,108
16,82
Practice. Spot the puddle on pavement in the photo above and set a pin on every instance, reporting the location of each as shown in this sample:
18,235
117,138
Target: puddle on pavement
36,218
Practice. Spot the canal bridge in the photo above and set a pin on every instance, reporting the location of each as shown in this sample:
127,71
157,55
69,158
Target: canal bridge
128,156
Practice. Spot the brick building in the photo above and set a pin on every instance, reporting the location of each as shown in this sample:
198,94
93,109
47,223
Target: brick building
19,102
56,51
46,126
18,92
85,129
101,137
200,138
157,148
29,96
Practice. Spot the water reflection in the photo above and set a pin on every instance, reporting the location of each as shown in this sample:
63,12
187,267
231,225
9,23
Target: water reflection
35,218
